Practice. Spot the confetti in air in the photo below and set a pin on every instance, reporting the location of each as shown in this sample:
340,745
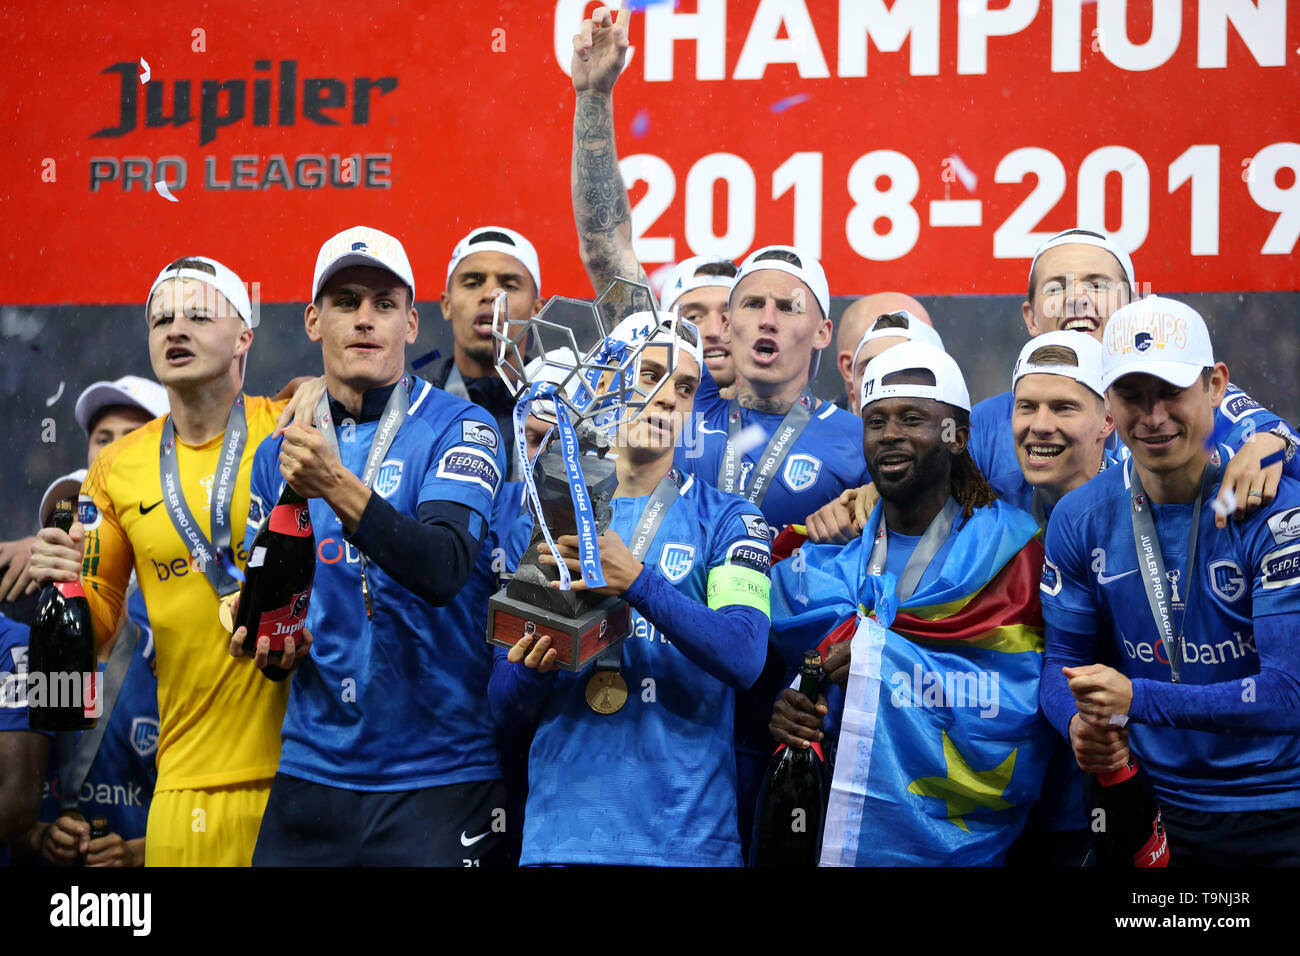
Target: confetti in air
780,106
750,437
964,173
1226,503
641,123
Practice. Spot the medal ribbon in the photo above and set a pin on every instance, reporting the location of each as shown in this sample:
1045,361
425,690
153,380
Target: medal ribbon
1151,560
216,560
936,533
778,447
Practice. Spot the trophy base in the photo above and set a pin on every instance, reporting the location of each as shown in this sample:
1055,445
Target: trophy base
577,640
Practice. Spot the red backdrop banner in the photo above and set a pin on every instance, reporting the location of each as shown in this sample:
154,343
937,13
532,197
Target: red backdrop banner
922,145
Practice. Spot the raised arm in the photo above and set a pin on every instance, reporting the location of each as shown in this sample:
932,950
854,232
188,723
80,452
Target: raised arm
600,204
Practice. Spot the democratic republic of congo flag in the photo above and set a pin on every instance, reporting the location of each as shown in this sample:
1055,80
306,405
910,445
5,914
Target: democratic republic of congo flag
941,749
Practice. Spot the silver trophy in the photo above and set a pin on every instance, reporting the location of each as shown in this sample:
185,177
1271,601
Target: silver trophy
597,367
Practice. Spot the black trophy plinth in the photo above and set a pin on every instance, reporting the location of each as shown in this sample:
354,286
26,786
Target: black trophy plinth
580,624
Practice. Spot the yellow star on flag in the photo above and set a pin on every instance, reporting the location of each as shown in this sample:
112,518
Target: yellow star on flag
964,788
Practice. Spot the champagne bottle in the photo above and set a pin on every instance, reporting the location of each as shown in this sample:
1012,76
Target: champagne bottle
1128,830
792,800
278,577
62,671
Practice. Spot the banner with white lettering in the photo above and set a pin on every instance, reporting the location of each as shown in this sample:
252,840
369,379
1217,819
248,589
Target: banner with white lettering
927,145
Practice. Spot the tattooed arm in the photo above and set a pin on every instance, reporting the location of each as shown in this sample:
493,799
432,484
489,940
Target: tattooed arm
600,203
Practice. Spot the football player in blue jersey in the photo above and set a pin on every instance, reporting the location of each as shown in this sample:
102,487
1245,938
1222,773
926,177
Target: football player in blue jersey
116,769
23,752
1076,280
486,261
1166,633
387,758
697,291
646,776
1058,420
776,325
948,569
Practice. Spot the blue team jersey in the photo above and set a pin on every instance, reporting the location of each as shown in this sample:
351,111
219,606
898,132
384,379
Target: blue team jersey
396,702
826,458
653,784
119,785
1092,585
13,687
993,446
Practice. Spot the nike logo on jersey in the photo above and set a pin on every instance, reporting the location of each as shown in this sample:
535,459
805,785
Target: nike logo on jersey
470,841
706,430
1099,568
1107,578
145,511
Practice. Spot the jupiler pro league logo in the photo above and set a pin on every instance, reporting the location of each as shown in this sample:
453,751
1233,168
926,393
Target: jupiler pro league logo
676,560
1142,341
1051,579
801,471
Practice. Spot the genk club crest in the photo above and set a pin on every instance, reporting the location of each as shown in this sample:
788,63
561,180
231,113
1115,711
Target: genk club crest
676,560
144,735
1227,580
801,471
388,477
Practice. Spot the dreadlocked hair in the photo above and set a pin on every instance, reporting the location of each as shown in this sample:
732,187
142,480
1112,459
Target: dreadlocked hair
969,486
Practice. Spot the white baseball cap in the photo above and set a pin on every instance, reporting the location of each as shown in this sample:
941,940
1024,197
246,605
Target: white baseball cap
804,268
221,278
657,327
554,367
949,387
497,239
142,393
1088,237
66,486
915,330
1156,336
361,246
1086,349
683,278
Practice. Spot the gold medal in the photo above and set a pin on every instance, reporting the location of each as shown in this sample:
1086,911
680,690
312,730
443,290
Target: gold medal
606,692
226,611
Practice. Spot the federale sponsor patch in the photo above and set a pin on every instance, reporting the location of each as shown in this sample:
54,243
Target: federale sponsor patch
749,555
1237,406
466,464
1281,568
